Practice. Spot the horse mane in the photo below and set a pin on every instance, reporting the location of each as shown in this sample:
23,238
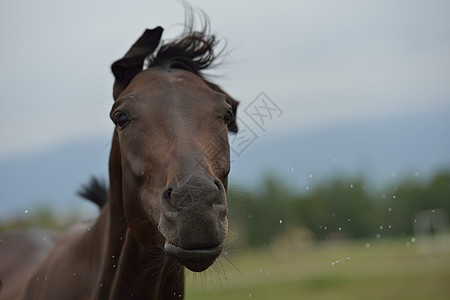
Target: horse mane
96,191
193,50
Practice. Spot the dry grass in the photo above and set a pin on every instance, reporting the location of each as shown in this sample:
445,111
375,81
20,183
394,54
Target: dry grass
380,269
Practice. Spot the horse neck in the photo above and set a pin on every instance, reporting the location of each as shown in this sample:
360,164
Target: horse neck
127,268
146,274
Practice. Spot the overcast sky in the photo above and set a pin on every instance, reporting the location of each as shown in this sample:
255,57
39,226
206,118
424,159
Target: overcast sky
322,62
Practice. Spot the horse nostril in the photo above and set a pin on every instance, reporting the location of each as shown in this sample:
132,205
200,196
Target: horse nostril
169,193
221,191
169,208
219,184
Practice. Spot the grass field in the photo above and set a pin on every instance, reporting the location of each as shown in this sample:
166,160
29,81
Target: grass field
379,269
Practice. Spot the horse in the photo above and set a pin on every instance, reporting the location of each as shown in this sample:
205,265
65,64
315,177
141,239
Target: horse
166,205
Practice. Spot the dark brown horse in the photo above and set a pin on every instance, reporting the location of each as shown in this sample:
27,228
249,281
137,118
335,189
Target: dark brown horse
166,206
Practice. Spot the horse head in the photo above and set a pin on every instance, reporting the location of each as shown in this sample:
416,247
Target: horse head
173,153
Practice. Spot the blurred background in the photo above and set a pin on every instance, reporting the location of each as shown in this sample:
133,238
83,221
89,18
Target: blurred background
340,177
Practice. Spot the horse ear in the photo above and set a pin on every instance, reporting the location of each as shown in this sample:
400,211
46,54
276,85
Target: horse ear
232,126
132,63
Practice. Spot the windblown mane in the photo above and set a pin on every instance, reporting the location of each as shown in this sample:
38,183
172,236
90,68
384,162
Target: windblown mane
96,191
192,51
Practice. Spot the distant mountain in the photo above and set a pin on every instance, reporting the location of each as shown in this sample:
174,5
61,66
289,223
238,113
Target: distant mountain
52,177
381,150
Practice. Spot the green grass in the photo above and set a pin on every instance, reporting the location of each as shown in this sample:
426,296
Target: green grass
389,269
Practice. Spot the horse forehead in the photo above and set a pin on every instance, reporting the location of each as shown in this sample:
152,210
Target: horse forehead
158,88
175,79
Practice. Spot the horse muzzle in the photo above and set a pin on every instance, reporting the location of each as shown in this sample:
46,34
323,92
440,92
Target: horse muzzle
196,260
194,221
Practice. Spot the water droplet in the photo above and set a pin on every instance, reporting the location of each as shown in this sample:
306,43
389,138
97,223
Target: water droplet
260,270
114,266
281,221
26,211
351,186
74,274
339,261
367,245
413,239
89,228
348,219
310,175
381,227
339,228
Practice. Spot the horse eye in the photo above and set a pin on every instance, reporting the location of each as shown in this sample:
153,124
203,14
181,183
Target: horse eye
228,117
121,120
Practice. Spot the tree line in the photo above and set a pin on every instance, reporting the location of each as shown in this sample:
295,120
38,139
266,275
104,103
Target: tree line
339,209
